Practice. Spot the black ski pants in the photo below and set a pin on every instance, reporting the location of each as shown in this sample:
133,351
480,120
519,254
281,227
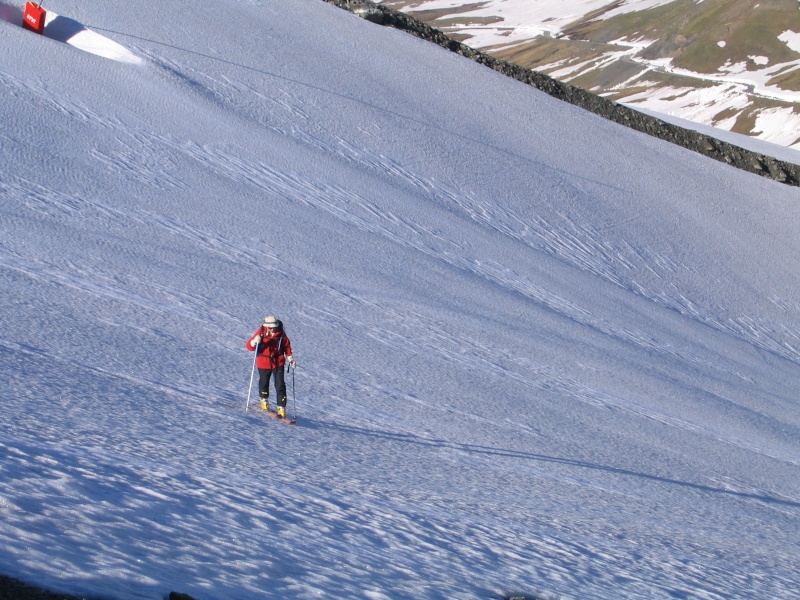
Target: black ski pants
264,376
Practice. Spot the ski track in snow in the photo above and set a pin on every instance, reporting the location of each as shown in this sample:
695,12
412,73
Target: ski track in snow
142,158
560,236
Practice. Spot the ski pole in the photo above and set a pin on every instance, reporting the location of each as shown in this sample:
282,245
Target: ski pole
252,374
294,398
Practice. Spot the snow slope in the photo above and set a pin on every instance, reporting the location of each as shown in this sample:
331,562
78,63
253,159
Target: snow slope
538,352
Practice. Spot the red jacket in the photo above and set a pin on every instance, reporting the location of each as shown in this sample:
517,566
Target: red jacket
273,349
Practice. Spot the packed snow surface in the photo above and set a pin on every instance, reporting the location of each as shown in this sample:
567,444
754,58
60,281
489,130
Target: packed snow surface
538,353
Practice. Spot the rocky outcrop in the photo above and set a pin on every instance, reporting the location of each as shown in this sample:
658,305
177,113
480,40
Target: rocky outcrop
14,589
735,156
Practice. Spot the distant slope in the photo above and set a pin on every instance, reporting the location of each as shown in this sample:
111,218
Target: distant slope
749,154
724,63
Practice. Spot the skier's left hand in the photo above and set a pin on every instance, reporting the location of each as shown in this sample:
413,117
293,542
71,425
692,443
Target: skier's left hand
292,362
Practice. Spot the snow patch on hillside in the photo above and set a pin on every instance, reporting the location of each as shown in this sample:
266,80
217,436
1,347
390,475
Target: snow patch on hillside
779,126
525,20
791,39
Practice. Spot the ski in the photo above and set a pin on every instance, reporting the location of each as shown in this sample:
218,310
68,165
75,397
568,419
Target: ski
286,420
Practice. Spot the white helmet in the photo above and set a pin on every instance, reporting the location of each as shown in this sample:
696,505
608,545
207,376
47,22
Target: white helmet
270,321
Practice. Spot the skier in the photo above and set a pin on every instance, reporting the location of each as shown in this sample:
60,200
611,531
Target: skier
274,349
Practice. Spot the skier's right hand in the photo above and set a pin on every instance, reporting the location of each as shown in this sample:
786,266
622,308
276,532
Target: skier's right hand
256,341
